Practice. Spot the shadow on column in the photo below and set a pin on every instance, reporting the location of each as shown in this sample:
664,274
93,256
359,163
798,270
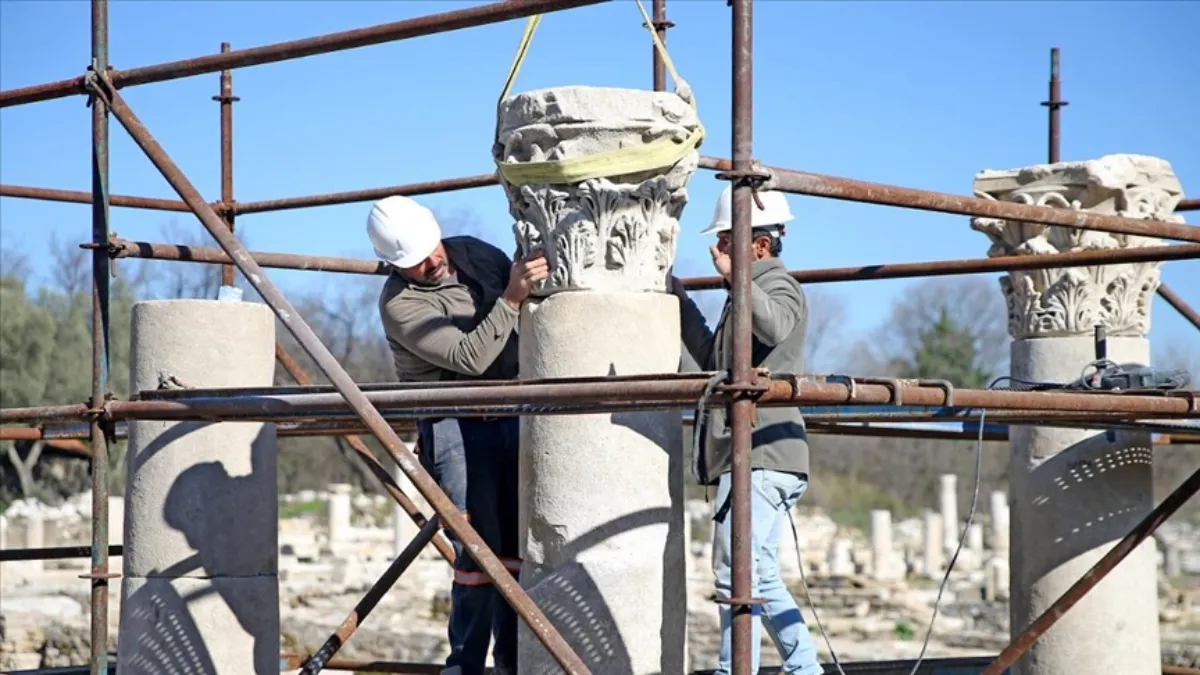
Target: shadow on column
209,507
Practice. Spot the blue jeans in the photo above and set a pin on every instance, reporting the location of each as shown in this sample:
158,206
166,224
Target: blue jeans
772,495
476,463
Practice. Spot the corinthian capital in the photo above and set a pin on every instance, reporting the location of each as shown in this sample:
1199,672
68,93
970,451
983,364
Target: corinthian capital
1072,301
608,234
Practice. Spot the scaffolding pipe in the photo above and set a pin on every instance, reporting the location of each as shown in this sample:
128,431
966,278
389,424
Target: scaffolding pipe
342,426
535,397
226,99
295,49
849,189
743,375
942,202
99,574
123,248
350,394
80,197
1053,103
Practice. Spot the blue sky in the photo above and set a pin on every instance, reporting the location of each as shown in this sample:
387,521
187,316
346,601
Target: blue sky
920,94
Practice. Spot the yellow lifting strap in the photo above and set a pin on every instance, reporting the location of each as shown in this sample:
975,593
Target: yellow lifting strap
661,153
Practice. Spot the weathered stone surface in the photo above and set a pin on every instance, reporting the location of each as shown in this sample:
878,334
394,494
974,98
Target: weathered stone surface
612,234
1070,302
601,505
199,573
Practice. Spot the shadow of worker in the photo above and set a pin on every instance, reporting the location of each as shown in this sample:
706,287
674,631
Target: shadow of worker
185,617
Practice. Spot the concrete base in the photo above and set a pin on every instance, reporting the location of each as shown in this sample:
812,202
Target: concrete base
602,501
1074,494
200,589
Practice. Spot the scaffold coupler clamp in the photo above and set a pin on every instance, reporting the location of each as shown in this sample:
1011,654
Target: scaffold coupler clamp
97,84
755,177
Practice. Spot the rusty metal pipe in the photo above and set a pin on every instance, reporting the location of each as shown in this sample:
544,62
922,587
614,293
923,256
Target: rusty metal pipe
1093,576
226,99
295,49
330,199
55,553
371,194
848,189
80,197
1054,103
1179,304
390,485
508,587
742,373
659,17
122,248
371,599
535,397
99,573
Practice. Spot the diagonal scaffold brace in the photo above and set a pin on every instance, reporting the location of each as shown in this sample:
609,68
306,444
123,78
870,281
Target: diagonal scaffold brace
473,544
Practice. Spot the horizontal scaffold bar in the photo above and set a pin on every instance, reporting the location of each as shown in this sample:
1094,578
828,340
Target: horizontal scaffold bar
849,189
121,248
594,395
295,49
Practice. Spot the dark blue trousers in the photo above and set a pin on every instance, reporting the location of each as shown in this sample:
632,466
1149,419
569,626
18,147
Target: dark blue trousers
475,461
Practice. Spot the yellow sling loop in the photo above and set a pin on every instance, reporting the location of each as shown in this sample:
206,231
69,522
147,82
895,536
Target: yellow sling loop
661,153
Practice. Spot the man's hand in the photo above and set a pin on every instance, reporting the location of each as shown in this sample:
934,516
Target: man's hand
722,262
523,275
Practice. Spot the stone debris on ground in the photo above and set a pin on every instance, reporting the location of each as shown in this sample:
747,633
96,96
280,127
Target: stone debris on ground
326,567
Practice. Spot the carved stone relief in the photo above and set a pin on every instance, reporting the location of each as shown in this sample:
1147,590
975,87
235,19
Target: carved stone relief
1072,301
614,234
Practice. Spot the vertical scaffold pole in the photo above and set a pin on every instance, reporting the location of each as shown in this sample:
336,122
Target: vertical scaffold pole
226,99
100,282
742,372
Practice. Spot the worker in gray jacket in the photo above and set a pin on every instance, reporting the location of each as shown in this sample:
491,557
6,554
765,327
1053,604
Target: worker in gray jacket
449,308
779,455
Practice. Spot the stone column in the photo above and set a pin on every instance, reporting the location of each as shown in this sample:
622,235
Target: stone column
116,520
602,494
883,555
35,537
1000,522
1076,492
933,545
948,505
199,575
339,516
975,541
840,562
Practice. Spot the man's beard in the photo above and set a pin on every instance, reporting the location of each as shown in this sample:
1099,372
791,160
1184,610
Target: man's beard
436,275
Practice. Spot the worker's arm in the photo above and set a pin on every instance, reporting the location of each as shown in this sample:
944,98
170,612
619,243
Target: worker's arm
429,334
697,338
776,306
432,336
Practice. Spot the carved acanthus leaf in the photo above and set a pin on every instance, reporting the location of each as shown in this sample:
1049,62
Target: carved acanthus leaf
616,233
1072,301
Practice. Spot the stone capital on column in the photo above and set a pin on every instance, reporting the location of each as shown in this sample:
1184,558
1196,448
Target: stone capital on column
614,234
1070,302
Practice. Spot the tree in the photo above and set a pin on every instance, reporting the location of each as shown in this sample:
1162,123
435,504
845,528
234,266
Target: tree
973,305
947,351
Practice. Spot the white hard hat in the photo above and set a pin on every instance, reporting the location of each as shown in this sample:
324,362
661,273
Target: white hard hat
402,231
775,211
